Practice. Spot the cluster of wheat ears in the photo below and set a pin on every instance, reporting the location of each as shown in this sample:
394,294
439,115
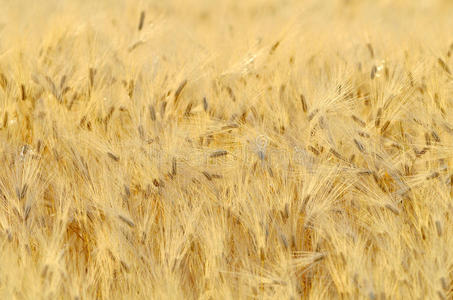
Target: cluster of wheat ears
226,150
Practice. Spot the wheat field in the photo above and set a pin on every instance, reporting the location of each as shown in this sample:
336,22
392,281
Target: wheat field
226,149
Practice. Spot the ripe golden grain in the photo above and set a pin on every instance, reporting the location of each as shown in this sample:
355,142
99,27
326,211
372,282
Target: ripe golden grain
205,104
179,91
62,82
173,166
113,156
444,65
27,210
163,108
313,149
443,281
313,114
141,21
274,47
126,220
373,72
152,112
127,191
441,295
439,228
435,136
23,95
377,121
370,49
336,154
91,73
188,109
385,126
21,192
304,103
284,241
207,175
219,153
358,121
427,139
359,146
432,175
5,120
392,209
364,134
3,81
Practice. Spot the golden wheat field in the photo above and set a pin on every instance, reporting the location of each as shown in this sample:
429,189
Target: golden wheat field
226,149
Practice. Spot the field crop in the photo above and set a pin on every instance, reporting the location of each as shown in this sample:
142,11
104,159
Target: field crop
226,149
